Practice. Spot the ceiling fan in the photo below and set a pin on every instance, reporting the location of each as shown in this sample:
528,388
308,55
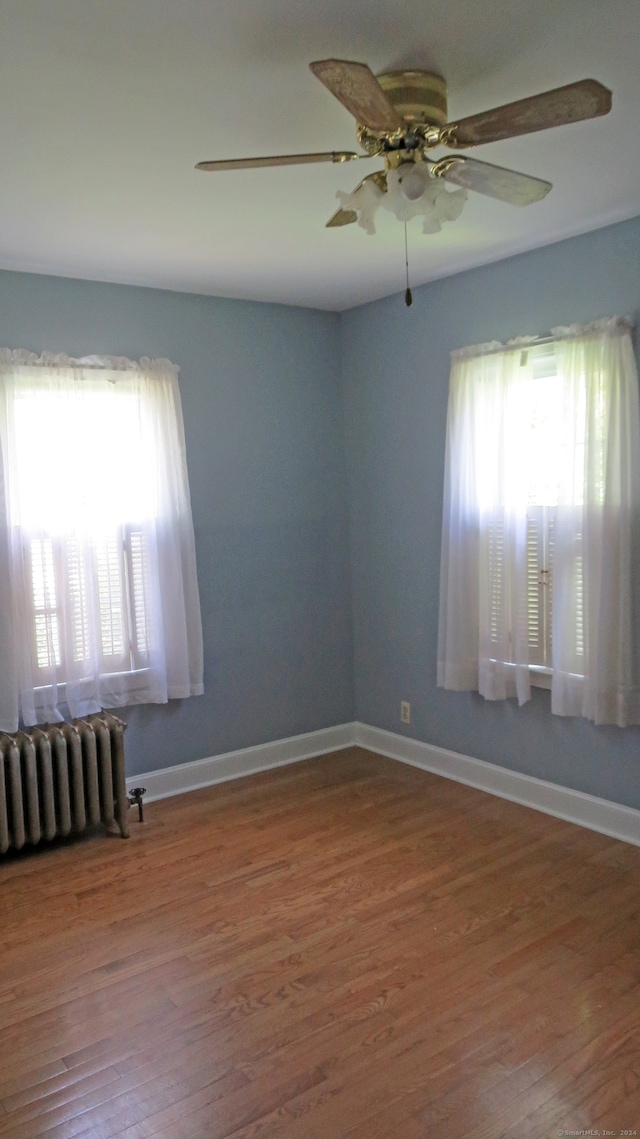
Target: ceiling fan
402,115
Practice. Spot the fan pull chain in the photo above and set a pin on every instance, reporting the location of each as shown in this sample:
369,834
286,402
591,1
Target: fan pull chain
408,299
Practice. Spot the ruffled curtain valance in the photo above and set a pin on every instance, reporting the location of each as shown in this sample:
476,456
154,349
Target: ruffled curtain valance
21,358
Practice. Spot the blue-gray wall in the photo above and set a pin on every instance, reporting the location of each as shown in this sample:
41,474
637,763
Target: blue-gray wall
263,422
315,446
395,364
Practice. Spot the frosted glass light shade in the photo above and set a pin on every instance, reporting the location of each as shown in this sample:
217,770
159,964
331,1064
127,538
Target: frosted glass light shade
411,191
365,200
412,181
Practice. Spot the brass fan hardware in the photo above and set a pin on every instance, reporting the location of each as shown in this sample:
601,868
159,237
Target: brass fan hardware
341,217
279,160
402,115
420,98
445,165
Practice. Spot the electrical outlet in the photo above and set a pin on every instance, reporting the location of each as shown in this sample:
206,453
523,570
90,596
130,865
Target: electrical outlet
405,712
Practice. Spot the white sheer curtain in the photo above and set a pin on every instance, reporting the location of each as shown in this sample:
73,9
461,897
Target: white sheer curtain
588,475
600,387
99,601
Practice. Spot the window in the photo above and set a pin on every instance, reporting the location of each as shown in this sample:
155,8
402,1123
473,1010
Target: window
99,553
552,479
541,509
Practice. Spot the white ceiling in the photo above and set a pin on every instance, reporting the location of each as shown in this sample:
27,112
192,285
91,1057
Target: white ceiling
108,104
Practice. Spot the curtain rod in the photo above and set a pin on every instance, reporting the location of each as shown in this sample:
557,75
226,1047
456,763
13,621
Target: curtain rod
522,343
527,342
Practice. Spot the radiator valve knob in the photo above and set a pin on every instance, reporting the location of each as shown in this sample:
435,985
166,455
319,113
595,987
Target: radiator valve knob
135,799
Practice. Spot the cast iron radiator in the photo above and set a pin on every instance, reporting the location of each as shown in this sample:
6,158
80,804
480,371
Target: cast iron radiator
59,779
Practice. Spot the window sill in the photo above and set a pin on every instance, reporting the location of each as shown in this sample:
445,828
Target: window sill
129,673
540,676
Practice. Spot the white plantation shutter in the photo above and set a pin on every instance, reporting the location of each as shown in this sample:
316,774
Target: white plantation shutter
579,596
77,593
43,596
541,517
540,535
550,530
139,598
118,567
97,551
114,638
496,581
537,586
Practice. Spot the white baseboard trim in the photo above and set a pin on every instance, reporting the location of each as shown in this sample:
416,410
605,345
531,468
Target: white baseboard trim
167,781
573,806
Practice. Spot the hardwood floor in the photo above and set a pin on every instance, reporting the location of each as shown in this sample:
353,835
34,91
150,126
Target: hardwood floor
342,948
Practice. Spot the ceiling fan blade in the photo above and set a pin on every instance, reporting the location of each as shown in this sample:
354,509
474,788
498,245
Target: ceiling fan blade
279,160
346,217
357,88
494,181
586,99
341,217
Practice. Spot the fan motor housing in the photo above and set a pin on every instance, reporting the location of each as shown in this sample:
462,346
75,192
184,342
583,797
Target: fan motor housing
418,96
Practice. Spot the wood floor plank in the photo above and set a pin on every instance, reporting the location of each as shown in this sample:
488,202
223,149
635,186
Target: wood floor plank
342,949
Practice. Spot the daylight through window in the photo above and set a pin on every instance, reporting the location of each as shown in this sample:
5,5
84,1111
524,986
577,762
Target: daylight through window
100,559
541,509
